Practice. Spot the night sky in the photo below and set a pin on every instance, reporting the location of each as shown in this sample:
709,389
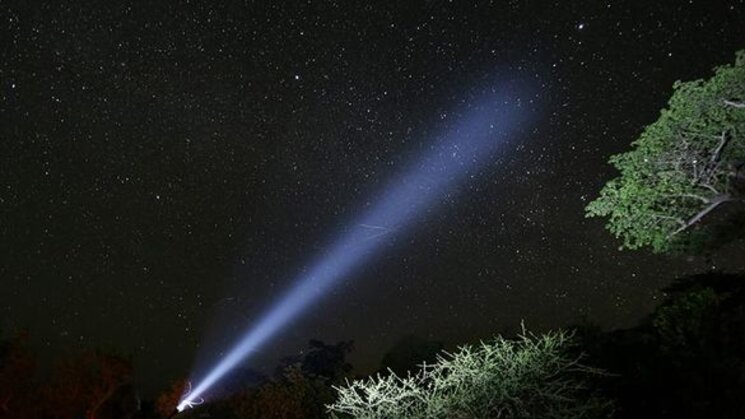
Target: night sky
168,168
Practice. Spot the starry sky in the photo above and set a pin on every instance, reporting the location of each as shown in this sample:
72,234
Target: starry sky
167,168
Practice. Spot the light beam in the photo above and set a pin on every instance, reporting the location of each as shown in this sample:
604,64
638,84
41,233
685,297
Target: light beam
486,125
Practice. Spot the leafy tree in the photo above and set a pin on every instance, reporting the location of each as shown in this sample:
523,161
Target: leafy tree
296,395
303,386
686,360
700,334
684,167
531,377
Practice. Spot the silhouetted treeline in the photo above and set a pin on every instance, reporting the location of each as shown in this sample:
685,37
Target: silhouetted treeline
90,385
685,360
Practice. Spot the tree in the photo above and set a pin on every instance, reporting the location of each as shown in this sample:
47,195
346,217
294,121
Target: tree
302,387
686,360
684,167
296,395
530,377
83,385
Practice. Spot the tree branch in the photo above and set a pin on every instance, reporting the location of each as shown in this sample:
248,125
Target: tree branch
709,187
718,151
703,199
668,217
734,104
715,202
711,169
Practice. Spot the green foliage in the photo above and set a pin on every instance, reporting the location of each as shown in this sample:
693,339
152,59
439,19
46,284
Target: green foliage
679,322
531,377
686,360
296,395
683,166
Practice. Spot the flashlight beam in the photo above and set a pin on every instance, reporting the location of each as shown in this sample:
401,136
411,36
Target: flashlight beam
456,156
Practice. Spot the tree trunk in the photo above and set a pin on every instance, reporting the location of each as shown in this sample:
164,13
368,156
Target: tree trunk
735,104
714,203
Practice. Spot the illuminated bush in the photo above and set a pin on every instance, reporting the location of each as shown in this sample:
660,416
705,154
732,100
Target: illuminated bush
530,377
